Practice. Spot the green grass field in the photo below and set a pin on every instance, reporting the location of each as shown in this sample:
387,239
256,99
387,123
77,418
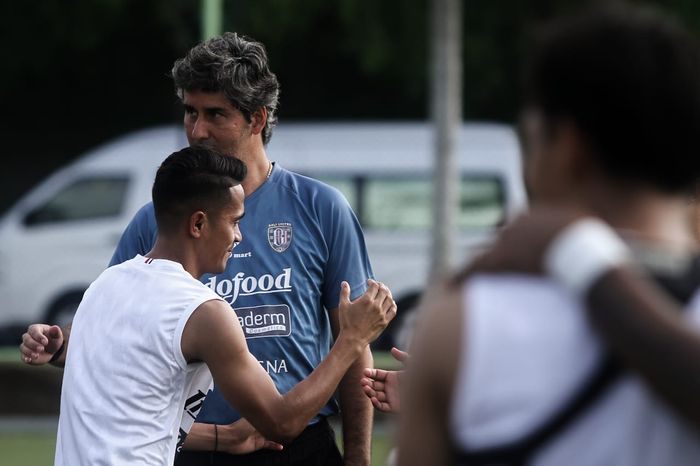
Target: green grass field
27,449
37,449
9,354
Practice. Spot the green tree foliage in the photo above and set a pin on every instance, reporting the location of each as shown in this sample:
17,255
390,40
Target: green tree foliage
342,59
75,72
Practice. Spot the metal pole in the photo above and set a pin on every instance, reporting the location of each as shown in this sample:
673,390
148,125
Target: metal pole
446,110
212,18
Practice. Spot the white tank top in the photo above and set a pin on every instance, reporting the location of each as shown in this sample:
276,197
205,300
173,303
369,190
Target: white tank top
528,347
126,381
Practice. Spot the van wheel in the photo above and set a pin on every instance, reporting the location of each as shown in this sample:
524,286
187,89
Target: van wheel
63,309
400,330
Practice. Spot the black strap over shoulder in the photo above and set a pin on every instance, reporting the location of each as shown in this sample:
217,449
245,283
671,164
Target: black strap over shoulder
682,287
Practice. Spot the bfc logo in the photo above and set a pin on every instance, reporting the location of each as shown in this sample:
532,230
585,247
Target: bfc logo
279,236
242,285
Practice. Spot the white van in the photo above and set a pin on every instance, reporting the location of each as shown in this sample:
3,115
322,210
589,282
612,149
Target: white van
61,235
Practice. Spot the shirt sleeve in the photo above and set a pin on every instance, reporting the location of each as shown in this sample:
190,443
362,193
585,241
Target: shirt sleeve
347,254
138,237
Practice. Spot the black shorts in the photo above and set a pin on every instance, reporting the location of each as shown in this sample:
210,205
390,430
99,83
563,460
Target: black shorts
315,446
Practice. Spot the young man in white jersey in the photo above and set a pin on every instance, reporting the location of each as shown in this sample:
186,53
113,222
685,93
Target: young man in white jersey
301,240
145,326
498,366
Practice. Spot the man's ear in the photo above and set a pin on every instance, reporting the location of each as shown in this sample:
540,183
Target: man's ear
258,119
197,222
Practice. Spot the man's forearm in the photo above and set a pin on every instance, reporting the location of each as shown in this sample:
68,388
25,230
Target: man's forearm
645,329
357,413
298,406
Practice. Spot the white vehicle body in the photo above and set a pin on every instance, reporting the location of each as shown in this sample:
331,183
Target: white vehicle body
61,235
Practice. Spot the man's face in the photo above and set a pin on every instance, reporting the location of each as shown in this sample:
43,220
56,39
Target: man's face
211,120
222,233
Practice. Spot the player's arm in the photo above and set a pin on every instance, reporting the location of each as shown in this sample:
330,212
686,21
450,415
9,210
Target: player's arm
347,259
237,438
424,436
637,320
43,343
644,327
213,335
355,408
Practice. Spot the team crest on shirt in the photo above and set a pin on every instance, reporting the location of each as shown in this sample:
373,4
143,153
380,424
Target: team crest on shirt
279,236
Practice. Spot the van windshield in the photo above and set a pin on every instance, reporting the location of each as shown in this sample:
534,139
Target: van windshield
91,197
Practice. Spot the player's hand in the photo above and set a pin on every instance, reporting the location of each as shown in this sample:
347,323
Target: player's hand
39,343
366,317
241,437
382,387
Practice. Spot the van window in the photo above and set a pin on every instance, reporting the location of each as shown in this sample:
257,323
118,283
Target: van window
86,198
407,204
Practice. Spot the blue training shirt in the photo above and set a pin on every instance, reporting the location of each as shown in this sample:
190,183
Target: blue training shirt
300,241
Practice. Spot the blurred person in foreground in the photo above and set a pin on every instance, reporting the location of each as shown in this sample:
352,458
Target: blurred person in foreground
145,326
611,123
301,239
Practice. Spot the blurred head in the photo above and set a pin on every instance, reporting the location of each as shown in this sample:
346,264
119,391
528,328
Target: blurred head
616,92
197,193
235,68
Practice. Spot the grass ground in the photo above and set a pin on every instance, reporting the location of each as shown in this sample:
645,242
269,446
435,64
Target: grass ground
36,448
27,449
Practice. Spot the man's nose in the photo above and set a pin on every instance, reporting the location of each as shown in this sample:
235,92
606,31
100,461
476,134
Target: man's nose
200,129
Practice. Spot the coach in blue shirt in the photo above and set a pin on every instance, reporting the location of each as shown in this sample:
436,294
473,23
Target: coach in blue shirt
300,240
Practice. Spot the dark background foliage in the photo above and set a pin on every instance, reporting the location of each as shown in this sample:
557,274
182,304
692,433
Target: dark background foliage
77,72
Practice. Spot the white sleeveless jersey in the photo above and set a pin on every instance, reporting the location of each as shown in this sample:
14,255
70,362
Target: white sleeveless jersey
128,392
526,347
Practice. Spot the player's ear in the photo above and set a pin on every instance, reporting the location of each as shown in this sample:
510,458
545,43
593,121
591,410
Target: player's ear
258,119
196,223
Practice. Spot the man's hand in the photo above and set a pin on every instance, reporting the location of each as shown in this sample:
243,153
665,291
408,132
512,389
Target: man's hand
366,317
241,437
382,387
39,343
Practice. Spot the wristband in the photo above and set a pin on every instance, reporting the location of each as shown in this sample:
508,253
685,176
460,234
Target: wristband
58,352
216,438
582,253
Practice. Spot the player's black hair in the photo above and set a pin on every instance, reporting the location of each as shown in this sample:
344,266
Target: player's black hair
629,78
191,179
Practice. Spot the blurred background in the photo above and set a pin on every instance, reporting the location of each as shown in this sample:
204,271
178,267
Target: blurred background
78,73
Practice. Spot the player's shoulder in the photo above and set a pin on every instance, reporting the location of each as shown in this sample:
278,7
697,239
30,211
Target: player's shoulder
437,336
516,284
111,273
309,189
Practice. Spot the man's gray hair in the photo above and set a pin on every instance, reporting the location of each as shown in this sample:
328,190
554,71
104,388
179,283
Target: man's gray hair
237,66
